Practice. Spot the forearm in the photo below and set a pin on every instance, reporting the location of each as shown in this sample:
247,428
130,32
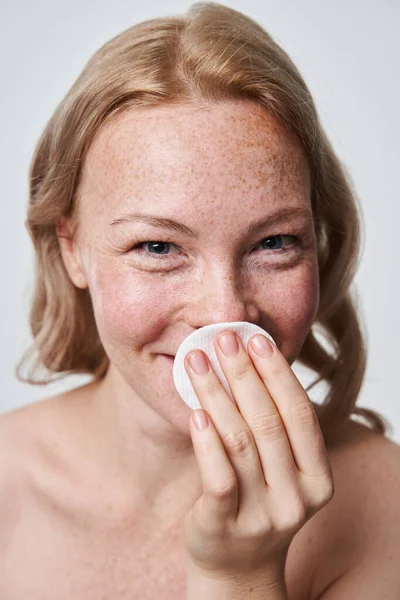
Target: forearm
251,588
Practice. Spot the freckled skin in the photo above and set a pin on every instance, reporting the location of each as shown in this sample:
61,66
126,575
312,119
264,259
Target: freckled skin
217,168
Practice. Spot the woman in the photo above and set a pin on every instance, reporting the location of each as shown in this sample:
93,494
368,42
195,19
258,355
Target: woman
179,137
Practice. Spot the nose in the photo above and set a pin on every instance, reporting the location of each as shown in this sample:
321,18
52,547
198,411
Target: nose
221,295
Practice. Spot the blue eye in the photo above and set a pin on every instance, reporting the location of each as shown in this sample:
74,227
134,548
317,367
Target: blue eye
161,247
279,238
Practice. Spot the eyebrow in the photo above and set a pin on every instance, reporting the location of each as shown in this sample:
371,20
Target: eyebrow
166,223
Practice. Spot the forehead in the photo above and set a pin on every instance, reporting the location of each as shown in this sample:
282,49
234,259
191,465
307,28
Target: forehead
211,152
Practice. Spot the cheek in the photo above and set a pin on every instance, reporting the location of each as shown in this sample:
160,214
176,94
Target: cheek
300,300
289,306
129,309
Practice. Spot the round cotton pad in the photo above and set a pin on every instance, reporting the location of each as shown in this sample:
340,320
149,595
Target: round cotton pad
203,339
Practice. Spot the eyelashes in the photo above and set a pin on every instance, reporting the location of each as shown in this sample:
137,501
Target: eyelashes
296,245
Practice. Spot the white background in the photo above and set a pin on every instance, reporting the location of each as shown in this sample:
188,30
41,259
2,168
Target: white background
347,51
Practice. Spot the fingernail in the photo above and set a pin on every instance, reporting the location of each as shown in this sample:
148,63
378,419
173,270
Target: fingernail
200,419
198,363
228,344
262,346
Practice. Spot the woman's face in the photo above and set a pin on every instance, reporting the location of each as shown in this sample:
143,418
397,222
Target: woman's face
217,170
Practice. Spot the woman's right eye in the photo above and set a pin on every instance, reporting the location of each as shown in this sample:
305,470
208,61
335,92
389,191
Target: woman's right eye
160,247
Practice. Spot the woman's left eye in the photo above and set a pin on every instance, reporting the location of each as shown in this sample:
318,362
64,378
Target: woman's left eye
274,241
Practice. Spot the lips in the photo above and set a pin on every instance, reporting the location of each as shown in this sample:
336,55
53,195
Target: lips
170,357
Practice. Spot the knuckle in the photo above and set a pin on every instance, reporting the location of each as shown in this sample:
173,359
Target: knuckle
211,386
262,525
325,494
304,414
238,442
267,425
259,527
224,489
240,371
329,490
208,447
277,369
320,491
293,517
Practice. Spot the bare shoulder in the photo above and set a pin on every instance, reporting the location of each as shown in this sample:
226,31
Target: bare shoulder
32,448
42,424
22,429
23,437
359,528
18,459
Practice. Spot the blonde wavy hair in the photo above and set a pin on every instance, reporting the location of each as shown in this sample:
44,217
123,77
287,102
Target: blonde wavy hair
211,53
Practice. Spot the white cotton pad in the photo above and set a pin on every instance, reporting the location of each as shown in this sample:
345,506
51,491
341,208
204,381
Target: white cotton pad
203,339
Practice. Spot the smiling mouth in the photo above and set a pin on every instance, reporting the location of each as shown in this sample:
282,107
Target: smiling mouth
169,356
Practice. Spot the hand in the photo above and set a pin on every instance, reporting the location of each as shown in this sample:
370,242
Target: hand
263,464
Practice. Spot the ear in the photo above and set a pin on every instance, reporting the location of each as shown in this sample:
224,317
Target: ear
70,253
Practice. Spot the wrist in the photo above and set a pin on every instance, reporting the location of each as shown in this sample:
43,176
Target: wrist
266,585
